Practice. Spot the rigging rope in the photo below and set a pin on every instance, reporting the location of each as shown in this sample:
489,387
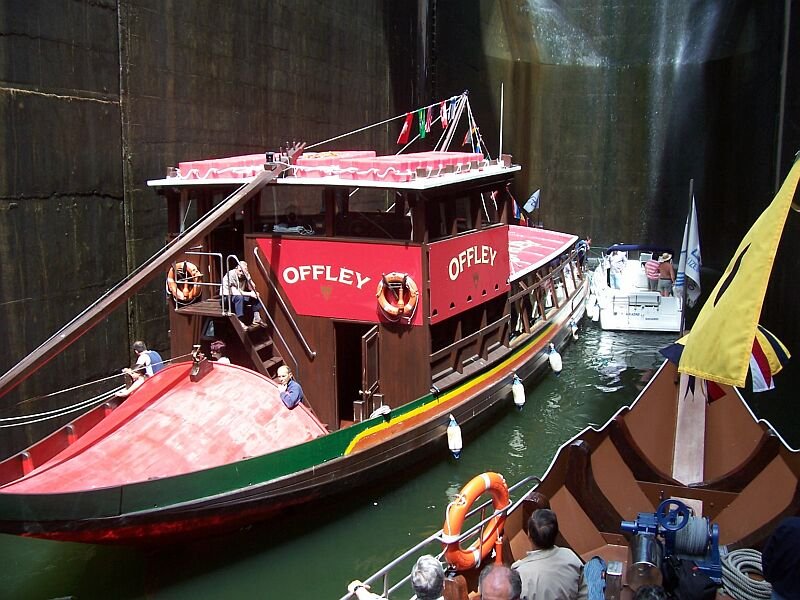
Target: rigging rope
389,120
737,566
65,410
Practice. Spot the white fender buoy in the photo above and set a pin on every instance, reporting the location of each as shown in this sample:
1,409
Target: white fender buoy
574,328
555,359
518,390
454,437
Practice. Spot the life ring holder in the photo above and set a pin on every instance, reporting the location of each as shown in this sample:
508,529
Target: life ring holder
398,296
184,289
467,558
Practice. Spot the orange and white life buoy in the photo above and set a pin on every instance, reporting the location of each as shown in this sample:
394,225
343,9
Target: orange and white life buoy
463,559
183,282
398,296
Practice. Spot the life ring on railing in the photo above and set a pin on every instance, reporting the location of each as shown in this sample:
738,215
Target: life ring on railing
463,559
183,282
398,296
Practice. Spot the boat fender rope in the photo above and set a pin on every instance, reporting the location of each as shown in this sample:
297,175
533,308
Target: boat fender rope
736,568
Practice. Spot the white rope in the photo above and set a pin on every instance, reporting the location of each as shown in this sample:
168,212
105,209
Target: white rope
66,410
736,568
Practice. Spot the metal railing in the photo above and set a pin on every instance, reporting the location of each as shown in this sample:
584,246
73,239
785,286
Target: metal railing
437,538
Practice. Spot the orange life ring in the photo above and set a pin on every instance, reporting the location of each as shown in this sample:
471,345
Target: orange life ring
398,296
183,282
463,559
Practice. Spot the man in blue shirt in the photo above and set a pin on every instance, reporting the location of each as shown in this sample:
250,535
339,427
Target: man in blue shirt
291,392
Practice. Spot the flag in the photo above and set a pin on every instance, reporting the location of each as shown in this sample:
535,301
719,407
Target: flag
406,130
722,337
443,114
466,137
688,274
428,117
533,202
421,116
768,357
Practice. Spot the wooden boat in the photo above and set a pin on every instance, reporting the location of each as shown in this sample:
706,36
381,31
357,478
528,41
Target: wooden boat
603,478
393,287
632,307
686,471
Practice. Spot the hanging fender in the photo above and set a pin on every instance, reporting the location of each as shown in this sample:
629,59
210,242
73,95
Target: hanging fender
461,558
183,282
398,296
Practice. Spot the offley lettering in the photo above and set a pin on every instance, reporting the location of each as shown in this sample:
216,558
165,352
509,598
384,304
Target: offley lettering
292,275
474,255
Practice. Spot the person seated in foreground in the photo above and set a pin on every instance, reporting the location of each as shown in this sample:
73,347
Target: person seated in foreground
427,581
498,582
291,392
549,572
651,592
147,364
781,559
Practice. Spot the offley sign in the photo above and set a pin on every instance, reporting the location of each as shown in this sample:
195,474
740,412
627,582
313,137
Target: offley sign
473,255
335,279
467,270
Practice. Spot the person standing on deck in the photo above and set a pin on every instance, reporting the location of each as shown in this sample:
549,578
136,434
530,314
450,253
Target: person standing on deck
291,392
238,296
148,363
666,274
617,262
651,269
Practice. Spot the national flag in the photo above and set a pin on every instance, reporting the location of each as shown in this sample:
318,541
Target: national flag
768,357
429,115
721,342
466,137
421,117
688,274
443,114
533,202
405,132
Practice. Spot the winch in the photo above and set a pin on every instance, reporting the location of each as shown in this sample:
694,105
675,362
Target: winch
673,530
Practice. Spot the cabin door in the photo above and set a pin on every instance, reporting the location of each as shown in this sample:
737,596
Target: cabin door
354,368
370,372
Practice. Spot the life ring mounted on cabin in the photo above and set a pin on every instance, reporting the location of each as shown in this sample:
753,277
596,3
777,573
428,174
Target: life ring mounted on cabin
183,282
463,559
398,296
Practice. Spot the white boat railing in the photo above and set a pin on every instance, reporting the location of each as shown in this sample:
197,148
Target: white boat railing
421,548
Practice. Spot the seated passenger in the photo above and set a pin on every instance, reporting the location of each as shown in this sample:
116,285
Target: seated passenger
549,572
498,582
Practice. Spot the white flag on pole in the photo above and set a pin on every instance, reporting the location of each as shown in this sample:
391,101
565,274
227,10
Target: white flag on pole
689,264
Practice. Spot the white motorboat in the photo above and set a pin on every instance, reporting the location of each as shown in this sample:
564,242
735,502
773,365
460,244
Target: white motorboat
632,306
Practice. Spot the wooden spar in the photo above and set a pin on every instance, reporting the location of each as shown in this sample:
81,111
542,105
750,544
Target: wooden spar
98,311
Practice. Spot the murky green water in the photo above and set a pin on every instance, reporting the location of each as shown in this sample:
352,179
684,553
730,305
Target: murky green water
316,558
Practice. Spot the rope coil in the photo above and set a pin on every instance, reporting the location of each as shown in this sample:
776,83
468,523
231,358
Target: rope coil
737,567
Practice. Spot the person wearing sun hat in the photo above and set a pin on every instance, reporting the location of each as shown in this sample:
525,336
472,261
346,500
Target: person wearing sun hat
666,274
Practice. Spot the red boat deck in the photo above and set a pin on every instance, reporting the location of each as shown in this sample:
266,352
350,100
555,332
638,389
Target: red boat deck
171,425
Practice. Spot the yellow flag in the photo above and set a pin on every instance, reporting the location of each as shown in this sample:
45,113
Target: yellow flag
721,340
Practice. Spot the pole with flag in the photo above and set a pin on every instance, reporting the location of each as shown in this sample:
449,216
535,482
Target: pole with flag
687,279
